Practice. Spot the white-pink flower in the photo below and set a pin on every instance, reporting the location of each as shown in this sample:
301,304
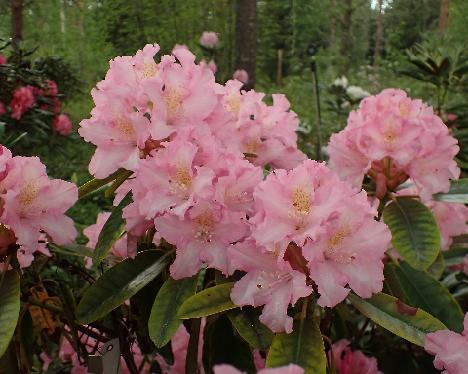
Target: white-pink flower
450,349
30,202
348,361
392,138
209,39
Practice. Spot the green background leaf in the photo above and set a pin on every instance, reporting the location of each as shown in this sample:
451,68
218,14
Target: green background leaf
458,192
207,302
248,326
119,283
9,307
415,234
163,322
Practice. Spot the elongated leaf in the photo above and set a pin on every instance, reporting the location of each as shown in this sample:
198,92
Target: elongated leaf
455,255
458,192
437,267
402,320
119,283
415,234
9,307
248,326
111,231
303,347
425,292
210,301
72,250
95,184
163,322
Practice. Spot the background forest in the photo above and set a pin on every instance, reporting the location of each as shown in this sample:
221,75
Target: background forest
366,41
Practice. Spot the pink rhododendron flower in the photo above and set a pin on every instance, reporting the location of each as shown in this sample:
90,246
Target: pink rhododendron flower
352,362
46,361
2,109
452,117
333,224
449,349
209,39
392,138
452,221
210,65
241,75
51,88
290,369
30,202
203,236
62,125
23,99
3,60
270,281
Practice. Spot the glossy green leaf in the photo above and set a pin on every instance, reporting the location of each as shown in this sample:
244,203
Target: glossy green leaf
250,328
402,320
72,250
95,184
423,291
119,283
303,347
111,231
455,255
415,234
207,302
437,267
163,321
458,192
9,307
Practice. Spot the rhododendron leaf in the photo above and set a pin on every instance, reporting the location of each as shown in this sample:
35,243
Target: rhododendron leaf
437,267
72,250
455,255
303,347
163,322
425,292
249,327
458,192
223,346
415,234
111,231
9,307
95,184
119,283
207,302
389,312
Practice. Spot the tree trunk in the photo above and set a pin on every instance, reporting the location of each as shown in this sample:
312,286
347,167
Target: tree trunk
246,38
16,24
443,16
333,24
378,35
346,38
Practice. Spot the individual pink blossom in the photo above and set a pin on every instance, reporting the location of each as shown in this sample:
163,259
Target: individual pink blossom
348,361
452,221
23,99
51,88
241,75
209,39
451,117
31,202
270,281
290,369
2,109
210,65
392,138
3,60
202,236
46,361
62,124
332,223
449,349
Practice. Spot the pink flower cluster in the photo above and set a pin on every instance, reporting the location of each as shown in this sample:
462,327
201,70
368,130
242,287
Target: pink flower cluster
141,103
23,99
392,138
31,203
62,124
209,39
450,349
348,361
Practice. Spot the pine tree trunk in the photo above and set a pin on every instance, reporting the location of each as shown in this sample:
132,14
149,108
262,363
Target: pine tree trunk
443,16
346,38
16,24
378,35
246,38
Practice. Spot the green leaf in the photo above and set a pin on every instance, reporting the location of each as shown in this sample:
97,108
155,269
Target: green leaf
415,234
119,283
423,291
95,184
223,346
437,267
250,328
458,192
303,347
163,322
72,250
111,231
209,301
402,320
9,307
455,255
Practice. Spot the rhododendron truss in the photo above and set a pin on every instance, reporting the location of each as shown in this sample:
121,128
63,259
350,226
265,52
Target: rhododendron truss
226,250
